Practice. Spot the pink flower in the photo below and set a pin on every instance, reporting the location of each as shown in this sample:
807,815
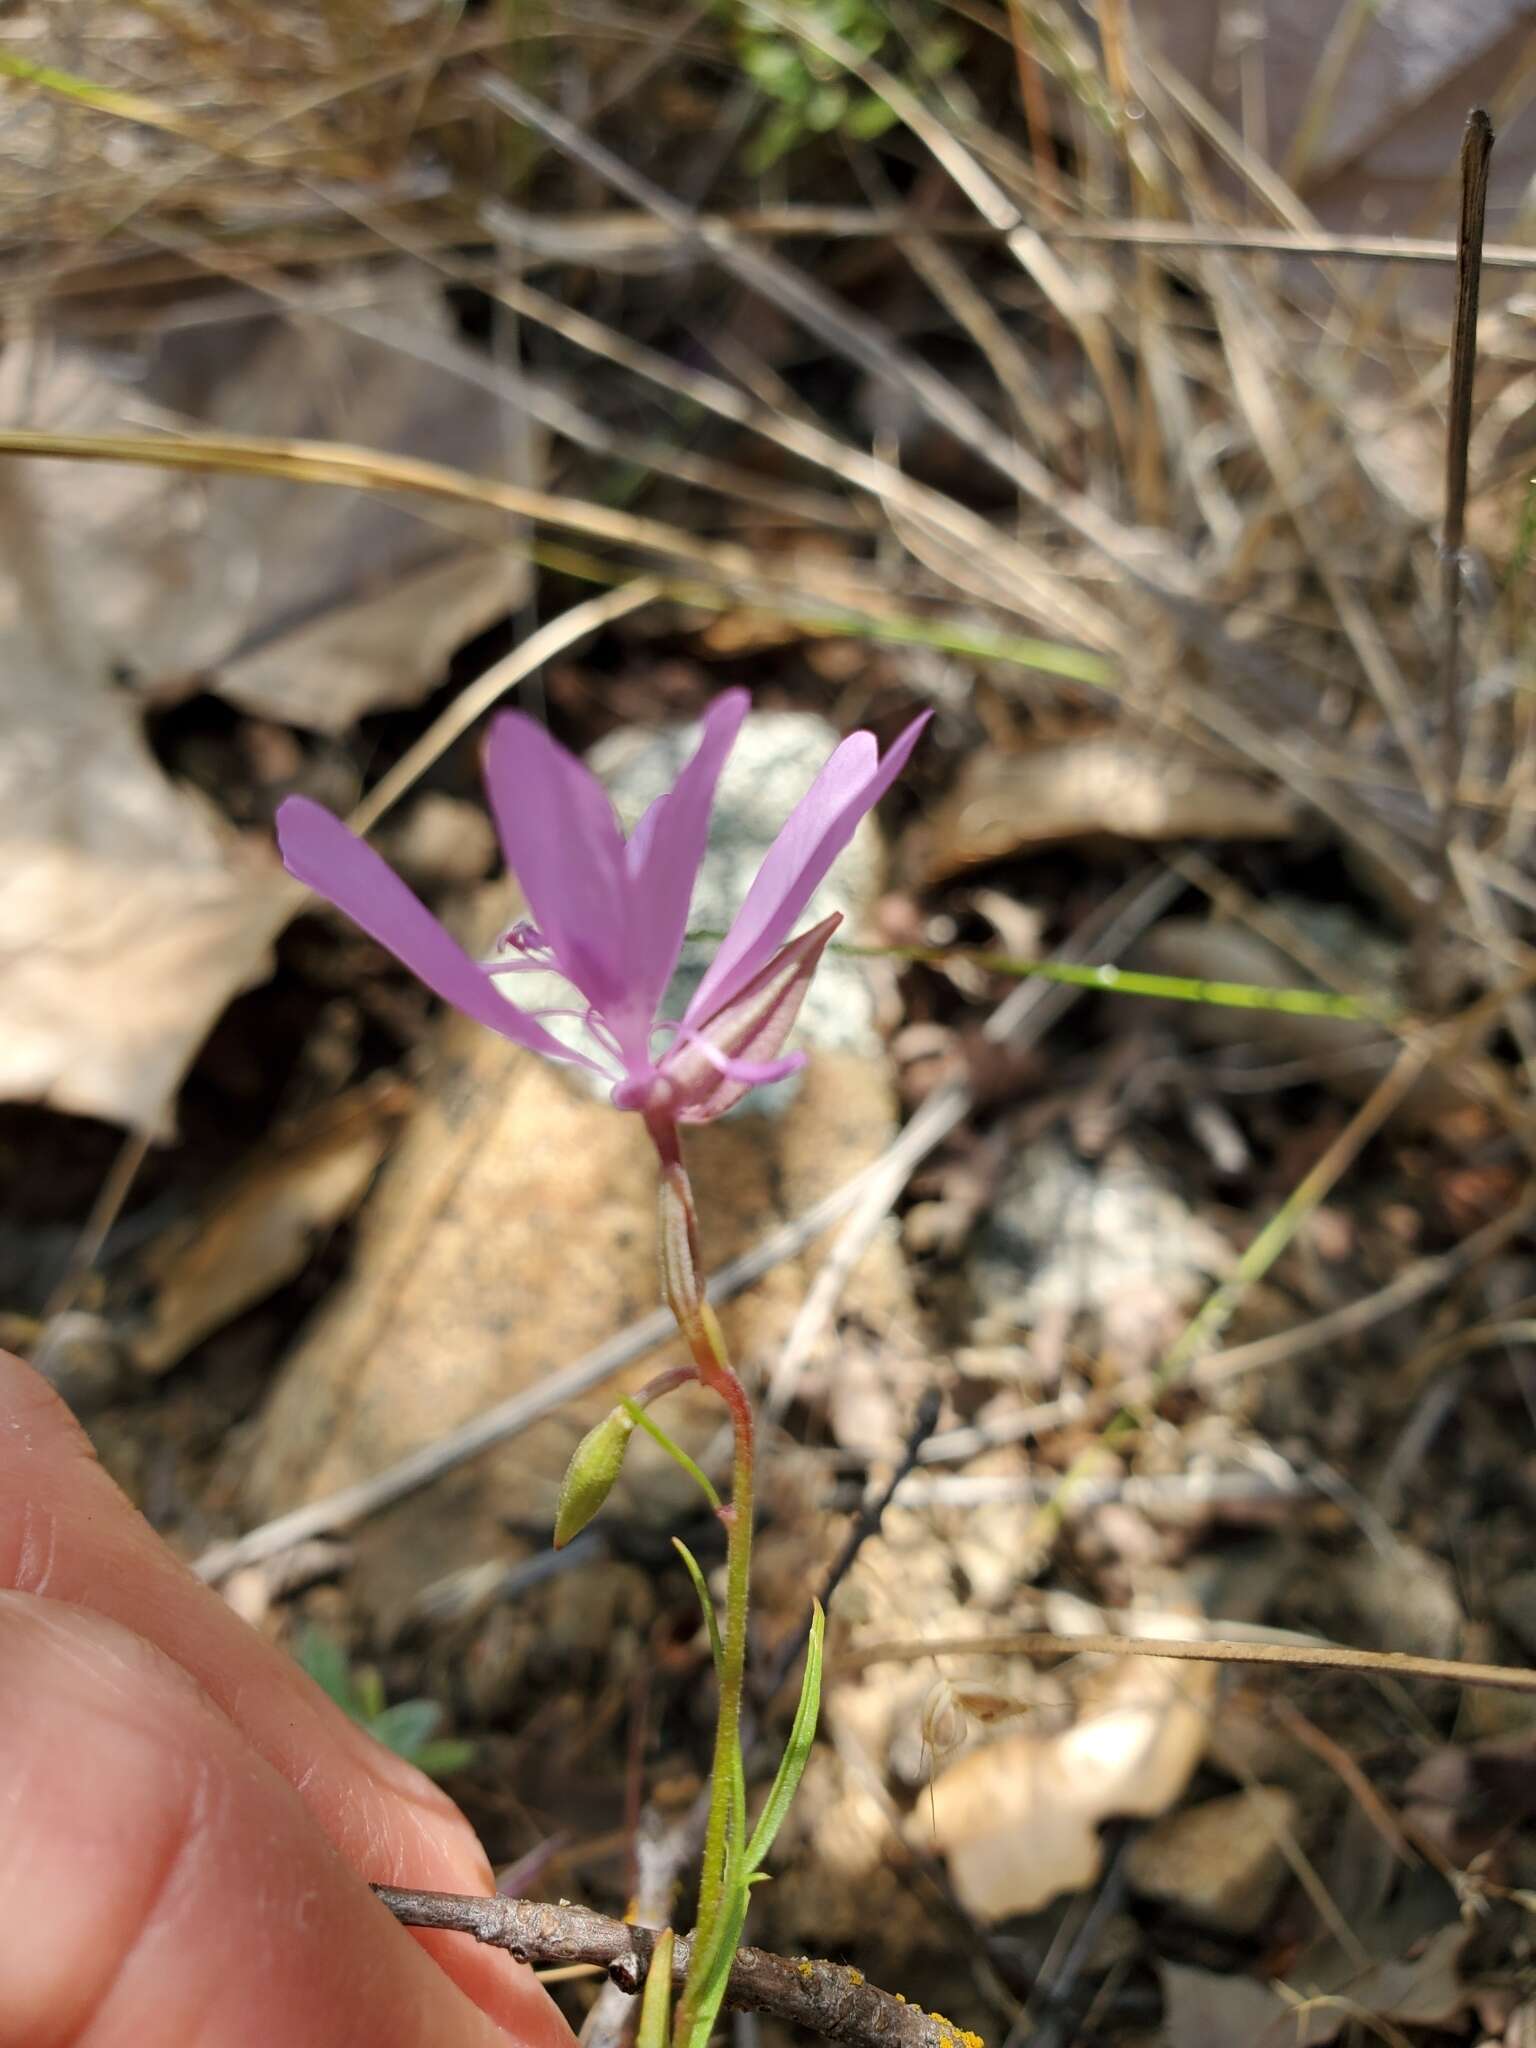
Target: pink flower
611,914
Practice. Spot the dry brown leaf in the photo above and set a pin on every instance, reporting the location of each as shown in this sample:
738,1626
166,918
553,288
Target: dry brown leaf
261,1231
129,913
310,606
387,647
1101,785
1018,1819
1207,2009
1412,1977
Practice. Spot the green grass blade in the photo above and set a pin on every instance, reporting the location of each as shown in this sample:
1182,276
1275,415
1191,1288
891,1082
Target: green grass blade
1173,988
944,631
1125,981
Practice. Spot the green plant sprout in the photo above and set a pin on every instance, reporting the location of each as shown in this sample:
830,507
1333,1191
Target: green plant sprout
409,1727
806,92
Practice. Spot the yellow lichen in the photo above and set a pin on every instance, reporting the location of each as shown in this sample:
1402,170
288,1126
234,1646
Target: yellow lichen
953,2036
854,1976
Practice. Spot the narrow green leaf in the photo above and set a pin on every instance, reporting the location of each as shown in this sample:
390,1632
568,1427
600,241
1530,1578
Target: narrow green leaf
656,2006
674,1451
796,1751
947,631
711,1620
711,1965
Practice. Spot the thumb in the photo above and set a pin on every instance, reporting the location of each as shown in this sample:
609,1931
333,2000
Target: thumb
159,1881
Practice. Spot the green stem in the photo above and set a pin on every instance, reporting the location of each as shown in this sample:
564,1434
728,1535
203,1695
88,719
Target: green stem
738,1568
700,1326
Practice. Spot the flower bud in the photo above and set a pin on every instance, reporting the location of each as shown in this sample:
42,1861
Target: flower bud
589,1478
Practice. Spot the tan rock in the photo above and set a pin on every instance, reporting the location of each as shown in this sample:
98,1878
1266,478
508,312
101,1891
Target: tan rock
1222,1863
512,1232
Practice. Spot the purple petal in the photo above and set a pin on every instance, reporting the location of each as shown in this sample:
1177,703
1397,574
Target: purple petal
319,850
666,850
813,835
750,1073
563,844
714,1063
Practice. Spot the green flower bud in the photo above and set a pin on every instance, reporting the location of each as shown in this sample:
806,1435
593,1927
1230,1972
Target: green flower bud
589,1478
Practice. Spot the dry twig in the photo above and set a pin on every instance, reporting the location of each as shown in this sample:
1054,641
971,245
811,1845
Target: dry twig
827,1998
1302,1656
1476,149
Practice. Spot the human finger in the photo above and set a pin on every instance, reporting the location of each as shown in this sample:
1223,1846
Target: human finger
68,1533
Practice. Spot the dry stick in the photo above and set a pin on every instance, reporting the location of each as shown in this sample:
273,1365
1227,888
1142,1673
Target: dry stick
353,468
477,697
1476,149
827,1998
610,236
1213,1650
1154,568
1113,926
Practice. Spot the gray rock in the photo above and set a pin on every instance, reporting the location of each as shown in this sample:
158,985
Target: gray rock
1103,1240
